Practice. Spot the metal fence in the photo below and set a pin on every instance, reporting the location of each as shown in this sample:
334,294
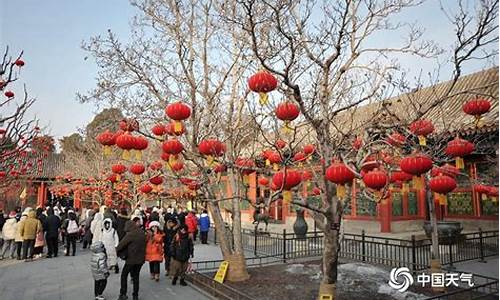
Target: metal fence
214,288
412,253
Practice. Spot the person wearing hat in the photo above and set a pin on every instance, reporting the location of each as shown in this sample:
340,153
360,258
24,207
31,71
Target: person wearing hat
182,250
110,241
9,235
154,249
29,228
132,248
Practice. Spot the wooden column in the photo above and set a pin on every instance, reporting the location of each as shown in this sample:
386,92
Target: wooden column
385,213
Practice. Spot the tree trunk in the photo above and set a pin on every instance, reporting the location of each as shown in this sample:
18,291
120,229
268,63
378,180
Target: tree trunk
330,261
237,270
435,257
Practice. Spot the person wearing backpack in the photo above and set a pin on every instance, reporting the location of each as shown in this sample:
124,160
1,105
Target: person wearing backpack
71,229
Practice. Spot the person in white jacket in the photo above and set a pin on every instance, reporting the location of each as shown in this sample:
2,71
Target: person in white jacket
9,234
110,240
96,227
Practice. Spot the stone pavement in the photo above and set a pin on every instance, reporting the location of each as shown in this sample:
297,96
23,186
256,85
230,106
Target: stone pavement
69,278
488,268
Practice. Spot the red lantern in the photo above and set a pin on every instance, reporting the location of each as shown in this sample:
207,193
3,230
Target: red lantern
246,167
396,139
146,189
140,144
309,149
287,180
107,139
158,130
375,179
9,94
422,128
442,185
19,62
113,178
170,129
446,169
416,165
262,82
316,191
280,144
126,142
177,166
493,193
220,168
137,169
458,148
178,112
129,125
156,180
156,166
341,175
477,107
172,147
299,157
287,111
403,178
482,190
118,169
307,175
263,181
211,148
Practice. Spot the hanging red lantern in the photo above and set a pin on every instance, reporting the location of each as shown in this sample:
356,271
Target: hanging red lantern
137,170
246,167
403,178
141,143
9,94
172,147
375,180
178,112
129,125
482,190
309,149
177,166
396,139
158,130
263,181
287,111
341,175
442,185
280,144
299,157
126,142
422,128
274,158
146,188
156,166
170,129
106,139
493,193
19,62
219,168
477,107
458,148
118,169
211,148
113,178
316,191
307,175
446,169
156,181
416,165
262,82
287,180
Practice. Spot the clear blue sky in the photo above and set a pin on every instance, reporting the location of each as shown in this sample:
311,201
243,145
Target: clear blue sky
51,32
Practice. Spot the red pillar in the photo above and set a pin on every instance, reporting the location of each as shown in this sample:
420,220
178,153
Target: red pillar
385,215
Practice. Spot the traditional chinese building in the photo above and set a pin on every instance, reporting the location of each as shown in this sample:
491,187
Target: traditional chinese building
406,211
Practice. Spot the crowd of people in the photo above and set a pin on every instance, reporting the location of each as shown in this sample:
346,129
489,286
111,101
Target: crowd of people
154,235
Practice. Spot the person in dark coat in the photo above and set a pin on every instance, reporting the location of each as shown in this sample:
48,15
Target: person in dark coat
182,249
133,247
52,226
87,237
181,217
121,219
170,230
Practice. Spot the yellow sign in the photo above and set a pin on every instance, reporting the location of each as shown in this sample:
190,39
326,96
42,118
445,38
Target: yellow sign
325,297
221,273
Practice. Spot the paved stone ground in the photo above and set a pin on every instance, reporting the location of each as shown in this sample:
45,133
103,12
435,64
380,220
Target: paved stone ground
68,277
488,268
